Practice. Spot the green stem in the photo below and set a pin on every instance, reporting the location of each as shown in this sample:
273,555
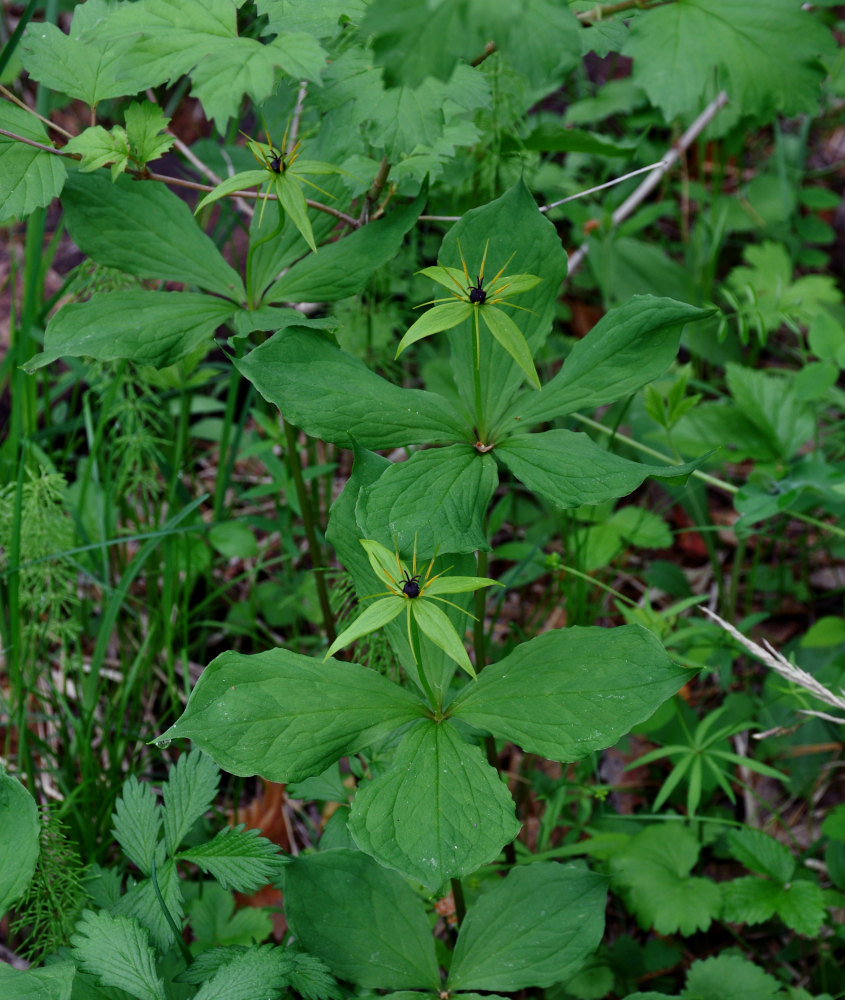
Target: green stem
310,534
253,246
478,638
414,636
476,377
460,903
183,947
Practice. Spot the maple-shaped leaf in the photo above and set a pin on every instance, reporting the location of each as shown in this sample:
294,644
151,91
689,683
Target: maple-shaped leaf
764,53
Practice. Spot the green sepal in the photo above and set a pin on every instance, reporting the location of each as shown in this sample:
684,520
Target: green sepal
442,317
434,623
507,333
374,617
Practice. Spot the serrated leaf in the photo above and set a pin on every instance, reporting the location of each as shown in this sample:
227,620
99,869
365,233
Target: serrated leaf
150,328
29,177
363,920
311,978
137,823
144,123
729,977
534,928
334,396
189,791
439,812
19,845
678,48
252,975
287,716
99,147
117,951
653,872
146,230
571,691
760,852
81,64
141,903
240,859
54,982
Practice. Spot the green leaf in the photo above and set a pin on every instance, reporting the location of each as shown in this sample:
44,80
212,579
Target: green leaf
144,229
569,469
629,347
513,226
374,617
438,498
749,900
507,333
293,202
188,793
237,182
239,859
259,714
439,812
679,48
333,396
81,64
401,118
802,907
150,328
555,137
137,823
54,982
99,147
435,320
30,178
144,123
534,928
117,951
761,853
140,903
434,623
343,268
252,975
459,584
19,845
653,872
364,921
729,977
571,691
769,402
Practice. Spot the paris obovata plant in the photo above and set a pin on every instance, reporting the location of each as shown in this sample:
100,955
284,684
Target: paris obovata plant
413,593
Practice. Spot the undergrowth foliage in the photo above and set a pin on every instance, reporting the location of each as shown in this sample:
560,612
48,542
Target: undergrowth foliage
418,555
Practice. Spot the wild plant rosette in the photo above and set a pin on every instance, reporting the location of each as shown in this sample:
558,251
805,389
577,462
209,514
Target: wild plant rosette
415,594
479,303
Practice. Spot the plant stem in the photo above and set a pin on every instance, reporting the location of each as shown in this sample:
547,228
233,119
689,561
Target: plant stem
183,947
476,377
252,248
414,637
310,534
478,637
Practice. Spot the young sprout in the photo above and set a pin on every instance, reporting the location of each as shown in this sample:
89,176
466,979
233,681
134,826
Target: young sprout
414,592
478,301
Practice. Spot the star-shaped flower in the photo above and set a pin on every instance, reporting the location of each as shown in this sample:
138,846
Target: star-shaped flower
415,594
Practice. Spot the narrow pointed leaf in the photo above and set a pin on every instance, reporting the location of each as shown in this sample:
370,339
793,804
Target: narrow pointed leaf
434,623
293,201
364,921
459,584
513,284
439,812
238,859
438,318
507,333
243,181
452,278
571,691
535,928
286,716
384,562
374,617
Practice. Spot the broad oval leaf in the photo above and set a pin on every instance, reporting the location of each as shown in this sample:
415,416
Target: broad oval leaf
439,812
54,982
535,928
571,691
30,178
150,328
286,716
19,845
334,396
364,921
569,469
